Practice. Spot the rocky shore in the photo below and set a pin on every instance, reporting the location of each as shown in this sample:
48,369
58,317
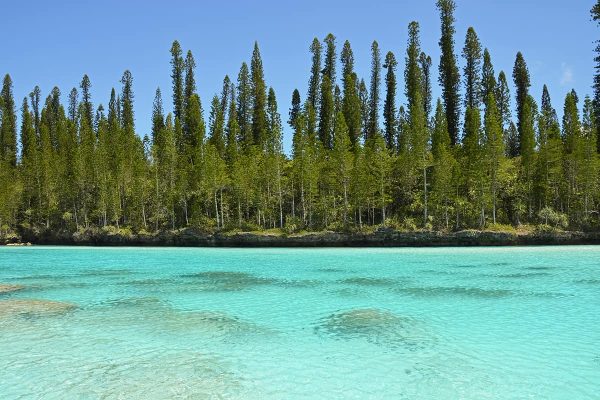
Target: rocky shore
380,238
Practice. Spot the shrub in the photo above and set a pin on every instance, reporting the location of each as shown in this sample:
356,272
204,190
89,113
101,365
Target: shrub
293,225
553,218
500,228
409,224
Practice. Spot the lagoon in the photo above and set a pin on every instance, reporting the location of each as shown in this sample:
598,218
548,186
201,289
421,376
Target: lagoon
206,323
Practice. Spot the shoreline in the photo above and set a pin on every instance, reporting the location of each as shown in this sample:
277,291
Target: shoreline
380,238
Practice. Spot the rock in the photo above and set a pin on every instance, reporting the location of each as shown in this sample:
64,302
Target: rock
382,237
4,288
376,326
34,308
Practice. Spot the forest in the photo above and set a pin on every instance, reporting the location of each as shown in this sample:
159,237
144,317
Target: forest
359,160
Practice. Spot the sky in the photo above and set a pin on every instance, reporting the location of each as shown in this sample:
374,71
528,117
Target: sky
55,43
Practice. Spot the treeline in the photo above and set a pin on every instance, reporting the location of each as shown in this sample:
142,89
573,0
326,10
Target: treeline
466,160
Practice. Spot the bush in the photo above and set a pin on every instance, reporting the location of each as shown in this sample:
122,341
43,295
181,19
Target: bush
293,225
500,228
409,224
553,218
203,223
248,226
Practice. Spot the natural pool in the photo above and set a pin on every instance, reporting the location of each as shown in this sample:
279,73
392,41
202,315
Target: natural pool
447,323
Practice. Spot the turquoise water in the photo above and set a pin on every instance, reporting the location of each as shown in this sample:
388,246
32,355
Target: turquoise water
149,323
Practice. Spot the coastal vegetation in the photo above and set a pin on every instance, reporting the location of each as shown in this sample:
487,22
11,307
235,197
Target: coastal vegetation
359,159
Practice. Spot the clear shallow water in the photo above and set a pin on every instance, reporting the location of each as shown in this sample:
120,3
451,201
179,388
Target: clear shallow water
149,323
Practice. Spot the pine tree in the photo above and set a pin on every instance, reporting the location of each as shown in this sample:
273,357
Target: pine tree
330,58
8,126
418,139
379,164
34,97
595,13
327,101
244,106
259,98
573,151
86,157
443,166
351,102
493,148
295,109
29,163
522,84
588,174
549,161
365,107
197,128
472,71
86,100
73,104
488,81
503,103
472,163
189,89
342,160
347,59
216,127
314,83
425,65
389,106
326,113
177,71
158,118
449,75
373,126
232,129
275,151
527,150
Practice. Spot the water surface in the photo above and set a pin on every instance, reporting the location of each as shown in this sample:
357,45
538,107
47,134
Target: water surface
150,323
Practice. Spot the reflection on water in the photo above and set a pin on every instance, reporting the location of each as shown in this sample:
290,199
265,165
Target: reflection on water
299,324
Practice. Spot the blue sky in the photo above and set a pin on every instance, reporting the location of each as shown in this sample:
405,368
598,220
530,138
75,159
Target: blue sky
55,43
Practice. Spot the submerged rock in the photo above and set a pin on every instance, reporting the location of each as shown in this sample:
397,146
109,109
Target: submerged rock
441,291
227,281
376,326
33,308
365,281
217,324
5,288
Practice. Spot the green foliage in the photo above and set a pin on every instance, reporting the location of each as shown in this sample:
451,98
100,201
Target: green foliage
550,217
84,169
449,77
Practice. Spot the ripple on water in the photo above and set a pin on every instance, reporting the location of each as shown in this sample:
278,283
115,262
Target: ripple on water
150,375
522,275
367,281
459,291
33,308
145,303
153,313
5,289
539,268
147,282
227,281
588,281
216,324
332,270
376,326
